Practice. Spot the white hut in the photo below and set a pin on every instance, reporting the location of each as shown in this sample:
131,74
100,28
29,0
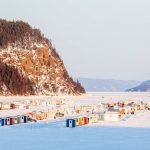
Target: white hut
21,119
111,115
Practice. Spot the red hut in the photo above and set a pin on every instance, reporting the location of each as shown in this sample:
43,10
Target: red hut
11,121
85,120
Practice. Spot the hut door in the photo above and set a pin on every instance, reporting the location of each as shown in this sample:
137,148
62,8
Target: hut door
70,123
8,121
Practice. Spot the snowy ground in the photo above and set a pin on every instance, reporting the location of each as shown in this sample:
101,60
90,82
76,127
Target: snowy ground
139,120
132,133
92,97
96,97
54,136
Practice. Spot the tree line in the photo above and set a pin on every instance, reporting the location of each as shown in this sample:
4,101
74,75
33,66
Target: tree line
16,31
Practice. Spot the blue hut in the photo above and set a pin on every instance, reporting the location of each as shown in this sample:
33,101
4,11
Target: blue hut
71,123
2,121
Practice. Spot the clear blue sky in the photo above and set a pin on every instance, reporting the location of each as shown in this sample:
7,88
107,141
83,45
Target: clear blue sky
95,38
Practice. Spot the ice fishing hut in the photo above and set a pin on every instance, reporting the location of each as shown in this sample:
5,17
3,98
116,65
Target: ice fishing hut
100,116
2,121
25,119
85,120
7,121
71,123
16,120
79,121
11,121
93,118
21,119
112,115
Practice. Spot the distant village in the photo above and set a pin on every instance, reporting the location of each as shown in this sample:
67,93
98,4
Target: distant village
28,111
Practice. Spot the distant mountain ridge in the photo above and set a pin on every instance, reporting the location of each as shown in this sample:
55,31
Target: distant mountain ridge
107,85
143,87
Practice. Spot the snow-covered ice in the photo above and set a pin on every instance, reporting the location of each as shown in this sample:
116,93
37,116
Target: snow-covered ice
43,136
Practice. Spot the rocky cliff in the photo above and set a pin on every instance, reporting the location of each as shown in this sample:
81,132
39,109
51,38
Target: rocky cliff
29,65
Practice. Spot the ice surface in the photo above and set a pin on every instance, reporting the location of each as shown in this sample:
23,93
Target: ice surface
52,136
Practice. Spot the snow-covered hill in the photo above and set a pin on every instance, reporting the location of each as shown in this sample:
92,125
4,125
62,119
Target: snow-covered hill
143,87
107,85
29,65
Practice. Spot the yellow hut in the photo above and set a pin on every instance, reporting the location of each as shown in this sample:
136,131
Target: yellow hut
79,121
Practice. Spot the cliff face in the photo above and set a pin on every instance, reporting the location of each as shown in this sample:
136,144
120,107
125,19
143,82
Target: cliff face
29,65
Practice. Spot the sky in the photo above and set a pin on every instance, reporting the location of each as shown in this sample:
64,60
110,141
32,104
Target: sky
95,38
